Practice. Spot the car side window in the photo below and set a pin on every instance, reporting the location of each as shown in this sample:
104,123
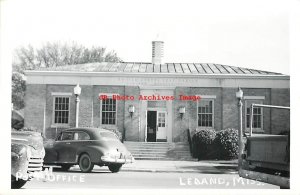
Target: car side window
67,136
81,136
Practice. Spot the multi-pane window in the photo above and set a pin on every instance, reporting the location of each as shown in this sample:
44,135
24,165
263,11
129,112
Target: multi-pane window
205,113
109,111
61,110
161,119
257,115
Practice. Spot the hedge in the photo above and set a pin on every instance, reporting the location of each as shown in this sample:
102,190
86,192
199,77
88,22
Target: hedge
226,144
203,143
209,144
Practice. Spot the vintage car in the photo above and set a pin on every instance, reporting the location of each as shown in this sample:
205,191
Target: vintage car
27,153
87,147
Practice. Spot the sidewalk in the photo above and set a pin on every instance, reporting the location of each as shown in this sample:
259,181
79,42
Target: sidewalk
209,167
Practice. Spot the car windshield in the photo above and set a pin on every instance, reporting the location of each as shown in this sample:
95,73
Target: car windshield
108,135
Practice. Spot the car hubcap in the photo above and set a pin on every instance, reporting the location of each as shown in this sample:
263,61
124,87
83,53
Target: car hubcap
85,162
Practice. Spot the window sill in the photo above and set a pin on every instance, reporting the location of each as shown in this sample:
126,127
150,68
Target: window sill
60,126
200,127
255,131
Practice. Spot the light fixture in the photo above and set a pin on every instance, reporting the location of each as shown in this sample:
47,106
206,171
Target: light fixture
77,90
239,94
181,111
131,110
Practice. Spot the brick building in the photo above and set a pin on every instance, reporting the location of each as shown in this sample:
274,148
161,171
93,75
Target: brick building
152,92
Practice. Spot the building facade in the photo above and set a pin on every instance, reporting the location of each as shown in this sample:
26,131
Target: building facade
154,102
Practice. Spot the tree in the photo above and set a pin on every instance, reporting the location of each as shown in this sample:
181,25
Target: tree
18,90
59,54
52,55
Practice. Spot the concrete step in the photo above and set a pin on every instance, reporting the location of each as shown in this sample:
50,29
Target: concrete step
159,150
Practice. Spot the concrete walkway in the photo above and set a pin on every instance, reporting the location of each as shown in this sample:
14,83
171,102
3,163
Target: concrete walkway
209,167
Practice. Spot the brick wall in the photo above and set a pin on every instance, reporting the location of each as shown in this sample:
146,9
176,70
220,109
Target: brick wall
225,109
180,125
131,125
51,129
190,118
120,106
34,106
280,118
266,111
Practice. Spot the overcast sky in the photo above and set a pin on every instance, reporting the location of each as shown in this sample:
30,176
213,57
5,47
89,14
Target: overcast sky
252,34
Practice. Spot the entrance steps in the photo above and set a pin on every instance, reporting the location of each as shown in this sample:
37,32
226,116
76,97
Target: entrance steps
159,150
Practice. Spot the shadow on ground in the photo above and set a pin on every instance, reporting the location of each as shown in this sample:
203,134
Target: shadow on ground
212,169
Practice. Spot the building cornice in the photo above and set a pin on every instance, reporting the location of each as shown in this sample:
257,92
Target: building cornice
156,75
157,80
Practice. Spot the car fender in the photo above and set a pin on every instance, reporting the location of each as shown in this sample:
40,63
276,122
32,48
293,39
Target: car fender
95,153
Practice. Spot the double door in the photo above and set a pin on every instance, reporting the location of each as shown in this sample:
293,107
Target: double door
156,126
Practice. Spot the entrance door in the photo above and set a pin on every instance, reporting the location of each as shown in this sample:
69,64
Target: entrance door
151,126
161,134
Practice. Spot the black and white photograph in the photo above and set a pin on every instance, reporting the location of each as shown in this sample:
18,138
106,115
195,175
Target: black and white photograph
148,95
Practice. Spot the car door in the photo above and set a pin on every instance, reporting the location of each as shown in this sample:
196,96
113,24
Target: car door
79,144
64,148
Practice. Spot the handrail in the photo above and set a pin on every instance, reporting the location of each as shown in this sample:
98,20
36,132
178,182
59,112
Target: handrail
262,106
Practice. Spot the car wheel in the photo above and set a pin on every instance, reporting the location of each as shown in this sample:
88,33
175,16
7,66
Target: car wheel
65,167
85,163
114,168
17,184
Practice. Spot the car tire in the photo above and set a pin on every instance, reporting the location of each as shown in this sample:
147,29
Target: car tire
114,168
85,163
17,184
65,167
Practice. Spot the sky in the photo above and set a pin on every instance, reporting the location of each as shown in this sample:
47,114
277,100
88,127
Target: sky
252,34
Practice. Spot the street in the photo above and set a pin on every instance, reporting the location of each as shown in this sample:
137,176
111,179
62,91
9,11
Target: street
102,178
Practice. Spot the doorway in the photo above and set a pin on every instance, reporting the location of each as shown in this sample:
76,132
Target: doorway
151,126
156,126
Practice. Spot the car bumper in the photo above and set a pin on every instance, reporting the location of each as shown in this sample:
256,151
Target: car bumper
108,159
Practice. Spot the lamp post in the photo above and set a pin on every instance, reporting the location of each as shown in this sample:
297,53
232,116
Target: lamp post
239,96
77,92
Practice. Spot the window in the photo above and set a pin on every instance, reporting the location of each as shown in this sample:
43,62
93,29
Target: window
161,119
81,136
67,136
108,111
61,110
257,115
205,113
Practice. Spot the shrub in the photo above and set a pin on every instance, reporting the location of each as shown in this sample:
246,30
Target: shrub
226,144
203,143
29,129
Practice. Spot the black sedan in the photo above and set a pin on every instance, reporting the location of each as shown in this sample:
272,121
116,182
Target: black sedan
87,147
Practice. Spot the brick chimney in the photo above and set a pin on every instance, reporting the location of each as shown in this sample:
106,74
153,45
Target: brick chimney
157,52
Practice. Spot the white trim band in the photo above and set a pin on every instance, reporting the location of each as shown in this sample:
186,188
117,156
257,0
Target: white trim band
254,97
61,94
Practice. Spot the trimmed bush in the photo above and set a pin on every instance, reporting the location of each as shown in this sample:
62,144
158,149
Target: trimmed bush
203,144
29,129
226,144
